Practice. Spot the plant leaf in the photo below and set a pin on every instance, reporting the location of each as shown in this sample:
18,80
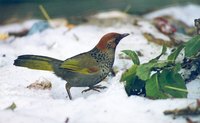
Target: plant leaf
192,47
177,67
164,49
160,64
153,89
132,55
172,57
132,82
170,78
128,74
144,70
166,84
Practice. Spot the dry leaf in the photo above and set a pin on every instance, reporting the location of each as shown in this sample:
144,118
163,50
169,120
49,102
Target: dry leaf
159,41
40,84
4,36
11,107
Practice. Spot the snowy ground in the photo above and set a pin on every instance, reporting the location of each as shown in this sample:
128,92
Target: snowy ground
111,105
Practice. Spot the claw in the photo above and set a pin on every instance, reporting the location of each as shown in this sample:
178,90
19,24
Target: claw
95,88
67,87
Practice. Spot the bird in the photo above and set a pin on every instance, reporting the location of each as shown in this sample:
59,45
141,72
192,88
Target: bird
83,70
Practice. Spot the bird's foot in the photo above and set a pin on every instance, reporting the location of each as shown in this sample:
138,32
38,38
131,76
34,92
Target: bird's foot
95,88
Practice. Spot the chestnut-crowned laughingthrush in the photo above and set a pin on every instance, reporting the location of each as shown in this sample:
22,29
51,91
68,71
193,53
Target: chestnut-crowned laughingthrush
83,70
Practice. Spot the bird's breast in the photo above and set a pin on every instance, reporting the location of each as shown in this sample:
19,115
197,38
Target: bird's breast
105,59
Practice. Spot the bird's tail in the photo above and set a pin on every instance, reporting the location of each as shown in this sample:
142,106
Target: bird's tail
36,62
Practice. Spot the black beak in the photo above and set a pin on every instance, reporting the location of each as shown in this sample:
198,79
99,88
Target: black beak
120,37
124,35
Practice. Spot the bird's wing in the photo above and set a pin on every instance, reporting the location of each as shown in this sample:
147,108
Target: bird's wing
82,63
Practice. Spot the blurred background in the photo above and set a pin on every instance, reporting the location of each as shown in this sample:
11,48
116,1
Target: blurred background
75,10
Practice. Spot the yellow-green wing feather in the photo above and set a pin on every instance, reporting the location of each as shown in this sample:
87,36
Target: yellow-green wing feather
82,63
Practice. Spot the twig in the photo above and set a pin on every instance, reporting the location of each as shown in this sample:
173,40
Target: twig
184,111
190,121
44,12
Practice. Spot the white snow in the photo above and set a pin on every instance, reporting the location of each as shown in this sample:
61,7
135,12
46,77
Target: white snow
110,14
187,13
111,105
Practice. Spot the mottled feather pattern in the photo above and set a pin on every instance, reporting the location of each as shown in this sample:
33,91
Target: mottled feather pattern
105,60
83,70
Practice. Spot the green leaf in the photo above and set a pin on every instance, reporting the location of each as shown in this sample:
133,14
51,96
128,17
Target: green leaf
144,70
153,89
166,84
11,107
129,74
170,78
172,57
192,47
177,67
132,55
164,49
160,64
131,80
134,86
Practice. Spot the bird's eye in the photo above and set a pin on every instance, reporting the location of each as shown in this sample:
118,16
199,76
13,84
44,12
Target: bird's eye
110,45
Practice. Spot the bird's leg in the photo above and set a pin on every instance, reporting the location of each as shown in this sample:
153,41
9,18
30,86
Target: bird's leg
67,87
95,88
113,72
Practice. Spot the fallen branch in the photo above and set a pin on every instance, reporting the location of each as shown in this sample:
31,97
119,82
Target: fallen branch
189,110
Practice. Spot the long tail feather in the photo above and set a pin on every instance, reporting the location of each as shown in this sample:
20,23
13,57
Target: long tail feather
36,62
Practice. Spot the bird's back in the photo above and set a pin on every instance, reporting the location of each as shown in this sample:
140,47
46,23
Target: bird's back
86,69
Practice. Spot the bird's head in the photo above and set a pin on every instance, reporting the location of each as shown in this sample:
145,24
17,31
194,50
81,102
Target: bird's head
110,40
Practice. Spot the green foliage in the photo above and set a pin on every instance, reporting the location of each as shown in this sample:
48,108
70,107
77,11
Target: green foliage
160,78
164,49
153,89
132,55
192,47
166,84
132,81
172,57
144,70
170,78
